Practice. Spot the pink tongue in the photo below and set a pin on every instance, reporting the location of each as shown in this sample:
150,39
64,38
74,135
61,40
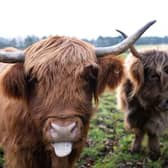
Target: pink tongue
62,149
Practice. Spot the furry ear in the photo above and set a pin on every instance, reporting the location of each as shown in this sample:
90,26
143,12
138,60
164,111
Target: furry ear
111,74
136,75
90,74
14,83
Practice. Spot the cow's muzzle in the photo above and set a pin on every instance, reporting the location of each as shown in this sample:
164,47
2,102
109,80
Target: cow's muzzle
63,137
62,134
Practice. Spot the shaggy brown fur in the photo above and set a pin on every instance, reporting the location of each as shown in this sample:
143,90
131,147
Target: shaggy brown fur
57,81
143,96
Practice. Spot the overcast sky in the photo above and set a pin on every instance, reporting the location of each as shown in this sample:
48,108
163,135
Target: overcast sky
81,18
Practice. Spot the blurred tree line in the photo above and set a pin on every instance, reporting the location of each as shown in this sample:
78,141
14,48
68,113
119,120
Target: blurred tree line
100,41
107,41
19,42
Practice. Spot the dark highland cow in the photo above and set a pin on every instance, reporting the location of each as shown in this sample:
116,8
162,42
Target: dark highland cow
46,98
143,95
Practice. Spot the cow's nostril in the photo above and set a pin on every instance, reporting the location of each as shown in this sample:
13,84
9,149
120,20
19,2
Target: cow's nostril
55,127
72,126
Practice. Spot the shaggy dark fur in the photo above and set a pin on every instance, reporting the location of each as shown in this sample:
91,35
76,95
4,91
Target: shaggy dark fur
143,95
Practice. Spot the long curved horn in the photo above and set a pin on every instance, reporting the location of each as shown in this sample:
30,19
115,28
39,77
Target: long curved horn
124,45
132,48
12,56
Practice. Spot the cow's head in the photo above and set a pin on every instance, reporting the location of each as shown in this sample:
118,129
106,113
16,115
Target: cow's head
148,71
57,81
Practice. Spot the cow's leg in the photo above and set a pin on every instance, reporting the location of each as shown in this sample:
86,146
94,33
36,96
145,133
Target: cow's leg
154,146
137,143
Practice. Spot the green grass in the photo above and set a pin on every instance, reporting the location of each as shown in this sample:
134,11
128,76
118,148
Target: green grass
109,143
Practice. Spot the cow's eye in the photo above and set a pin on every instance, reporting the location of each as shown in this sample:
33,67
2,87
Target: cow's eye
31,82
154,77
31,79
151,75
166,69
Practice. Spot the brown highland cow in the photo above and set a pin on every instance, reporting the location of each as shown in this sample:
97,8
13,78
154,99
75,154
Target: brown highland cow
143,96
46,98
